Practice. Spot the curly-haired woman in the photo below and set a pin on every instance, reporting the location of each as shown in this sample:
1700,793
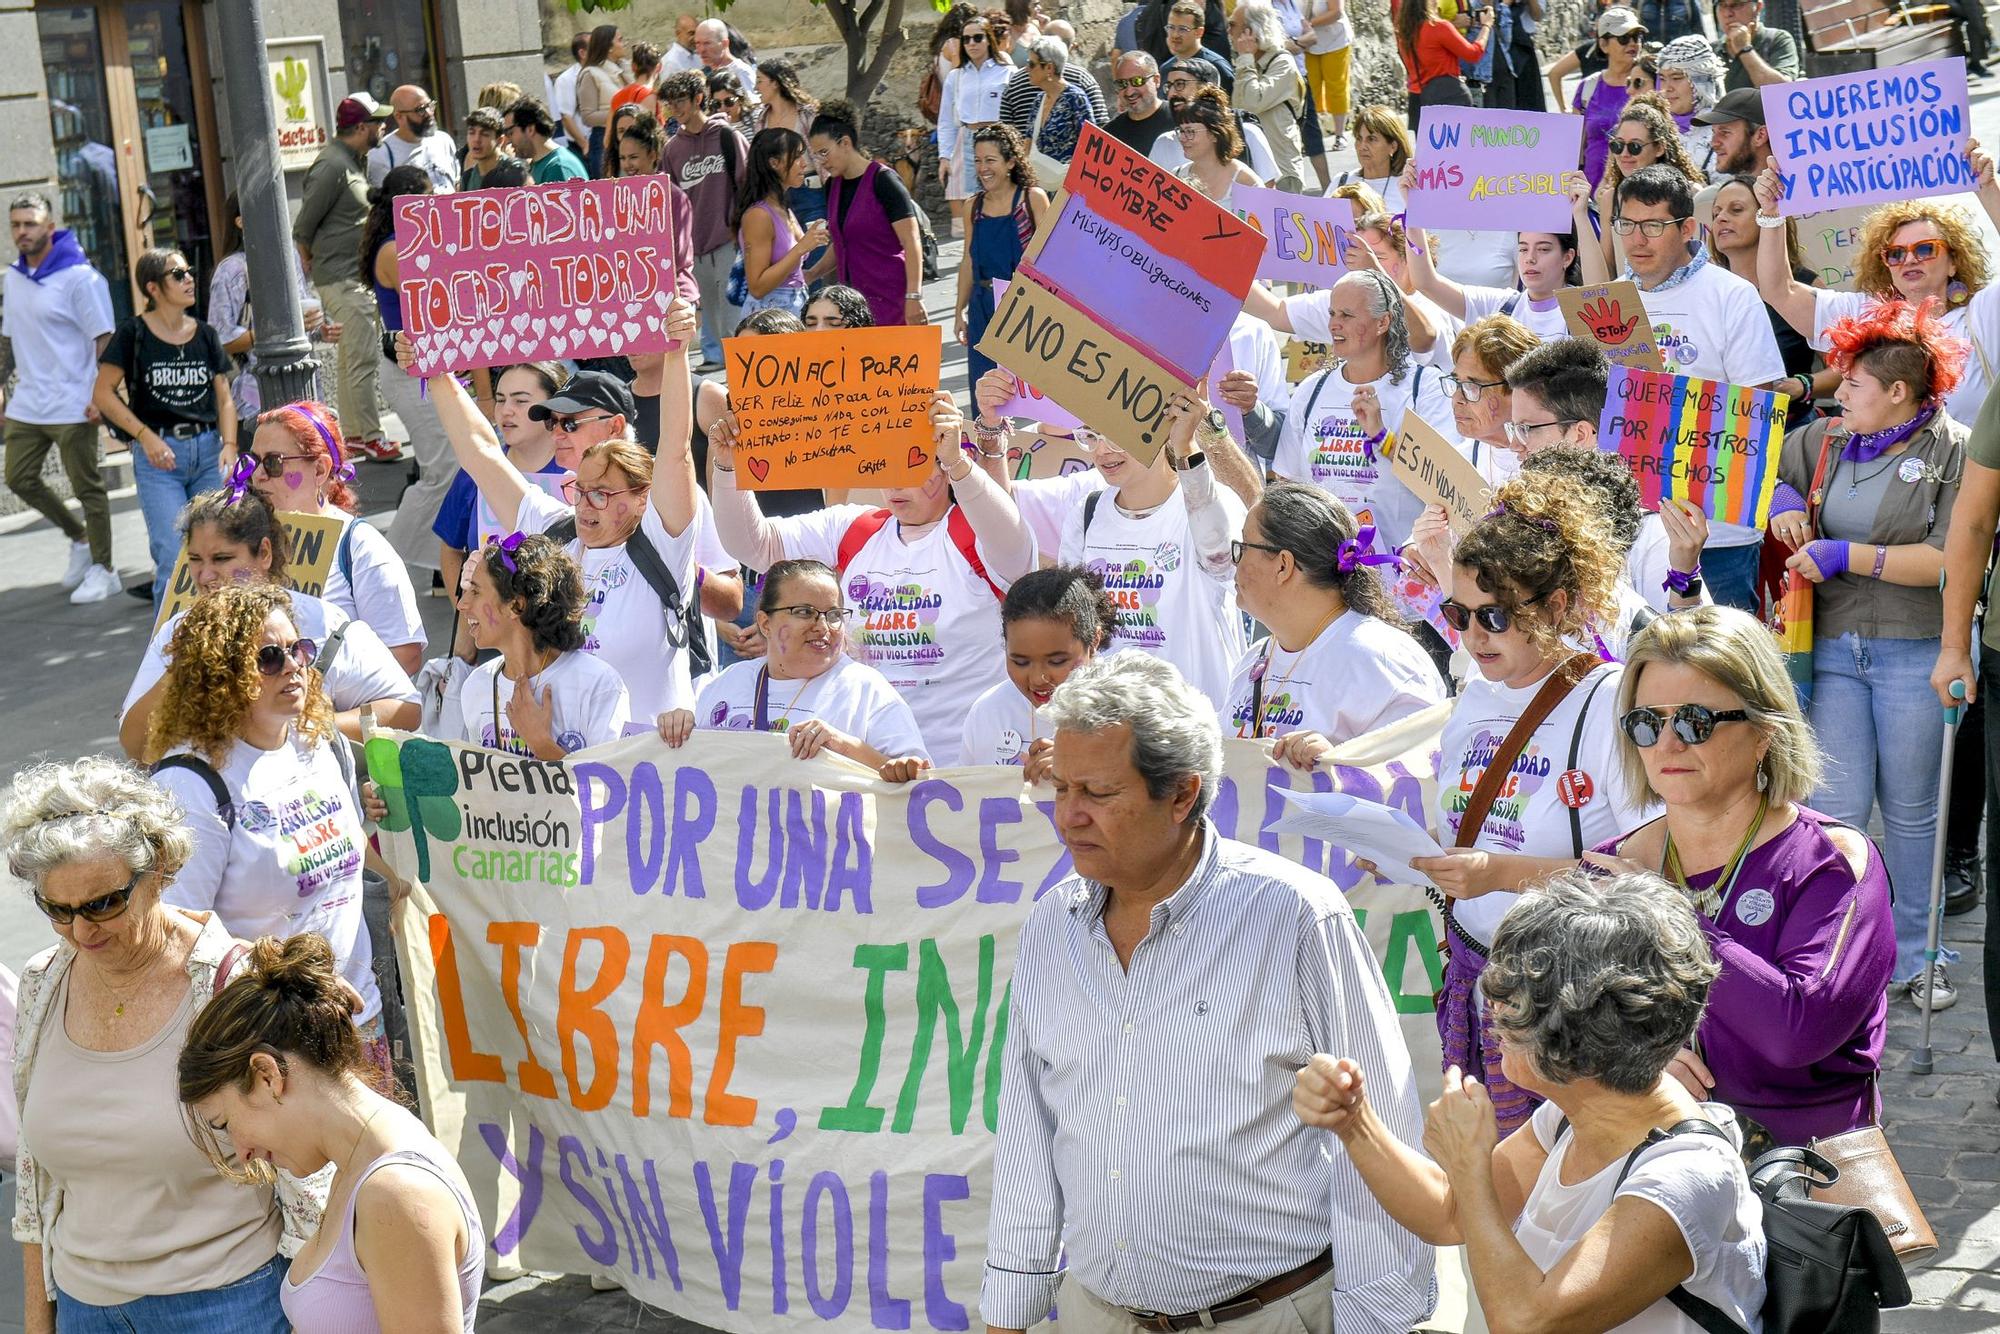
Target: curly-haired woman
1526,584
244,737
1645,134
523,595
1001,217
149,1237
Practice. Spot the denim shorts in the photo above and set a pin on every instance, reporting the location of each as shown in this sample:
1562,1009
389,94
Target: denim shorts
248,1306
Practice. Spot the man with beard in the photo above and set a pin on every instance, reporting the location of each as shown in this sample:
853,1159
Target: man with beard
1142,117
417,141
1739,141
1183,79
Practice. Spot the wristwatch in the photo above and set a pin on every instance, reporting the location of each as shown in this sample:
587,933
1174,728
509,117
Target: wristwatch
913,296
1195,458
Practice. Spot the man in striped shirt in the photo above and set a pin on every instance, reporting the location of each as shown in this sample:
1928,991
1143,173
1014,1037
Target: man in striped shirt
1164,997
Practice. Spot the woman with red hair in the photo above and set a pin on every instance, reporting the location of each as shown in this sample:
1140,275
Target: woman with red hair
1866,500
295,462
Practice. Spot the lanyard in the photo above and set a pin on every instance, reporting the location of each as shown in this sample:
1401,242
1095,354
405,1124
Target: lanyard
1712,900
762,705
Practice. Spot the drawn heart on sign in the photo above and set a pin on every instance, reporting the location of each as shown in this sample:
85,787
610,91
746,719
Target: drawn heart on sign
631,329
558,346
451,248
520,322
661,300
759,468
517,280
597,337
917,456
423,263
633,308
557,322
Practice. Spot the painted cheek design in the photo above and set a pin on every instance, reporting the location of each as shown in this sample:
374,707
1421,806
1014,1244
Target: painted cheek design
294,478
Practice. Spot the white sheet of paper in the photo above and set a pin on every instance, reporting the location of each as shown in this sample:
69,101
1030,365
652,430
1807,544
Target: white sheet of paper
1366,829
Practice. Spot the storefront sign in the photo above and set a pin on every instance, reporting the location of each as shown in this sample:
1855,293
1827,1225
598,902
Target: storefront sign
299,97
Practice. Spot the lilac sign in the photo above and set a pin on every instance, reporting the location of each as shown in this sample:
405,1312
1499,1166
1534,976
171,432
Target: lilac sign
571,269
1159,303
1494,171
1866,138
1305,236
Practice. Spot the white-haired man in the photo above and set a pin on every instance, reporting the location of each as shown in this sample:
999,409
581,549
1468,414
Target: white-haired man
711,43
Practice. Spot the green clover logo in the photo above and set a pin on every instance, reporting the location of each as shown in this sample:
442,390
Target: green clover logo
418,780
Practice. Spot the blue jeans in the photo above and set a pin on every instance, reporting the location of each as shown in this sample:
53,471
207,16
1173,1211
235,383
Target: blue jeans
165,492
1731,575
1879,723
247,1306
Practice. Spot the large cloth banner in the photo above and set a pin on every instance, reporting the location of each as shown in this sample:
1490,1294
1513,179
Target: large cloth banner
728,1025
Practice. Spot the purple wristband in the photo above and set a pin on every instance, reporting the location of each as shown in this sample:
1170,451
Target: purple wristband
1830,556
1786,500
1677,582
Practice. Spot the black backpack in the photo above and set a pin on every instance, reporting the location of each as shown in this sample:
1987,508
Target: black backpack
1827,1267
683,615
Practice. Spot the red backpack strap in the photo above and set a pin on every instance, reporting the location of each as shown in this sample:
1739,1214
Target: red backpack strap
856,537
962,537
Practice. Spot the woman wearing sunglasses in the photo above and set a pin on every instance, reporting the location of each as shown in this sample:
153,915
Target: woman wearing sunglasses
806,688
1912,250
1644,135
163,385
1601,97
244,738
240,541
1338,662
1794,903
970,102
151,1236
1866,509
1528,773
295,463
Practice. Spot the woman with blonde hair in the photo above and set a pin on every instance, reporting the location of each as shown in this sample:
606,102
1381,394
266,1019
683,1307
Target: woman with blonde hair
1382,149
1268,86
150,1237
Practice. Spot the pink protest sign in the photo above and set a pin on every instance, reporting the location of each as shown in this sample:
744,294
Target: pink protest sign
1882,134
1305,236
1497,171
572,269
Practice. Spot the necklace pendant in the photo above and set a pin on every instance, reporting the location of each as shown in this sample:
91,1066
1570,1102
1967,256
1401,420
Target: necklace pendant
1853,491
119,1013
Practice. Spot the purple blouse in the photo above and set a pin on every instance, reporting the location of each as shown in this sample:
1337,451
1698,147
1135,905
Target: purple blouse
1797,1017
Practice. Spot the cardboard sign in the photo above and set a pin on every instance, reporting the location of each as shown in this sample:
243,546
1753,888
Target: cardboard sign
1438,474
1612,316
1303,359
834,408
1492,170
572,269
1163,304
1170,216
1112,388
1029,402
1870,137
1714,445
312,541
1305,237
1830,245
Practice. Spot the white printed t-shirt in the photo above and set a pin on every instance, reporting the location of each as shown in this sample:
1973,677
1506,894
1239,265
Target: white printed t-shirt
1715,326
1311,314
291,862
921,616
589,704
849,696
1167,604
381,594
1047,502
1529,314
624,622
1529,817
361,672
1360,674
1321,444
1000,727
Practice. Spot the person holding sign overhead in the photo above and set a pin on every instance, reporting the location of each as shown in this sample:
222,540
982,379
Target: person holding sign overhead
1338,662
1544,262
1867,509
806,688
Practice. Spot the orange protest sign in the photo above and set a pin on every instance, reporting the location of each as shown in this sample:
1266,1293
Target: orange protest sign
839,408
1163,211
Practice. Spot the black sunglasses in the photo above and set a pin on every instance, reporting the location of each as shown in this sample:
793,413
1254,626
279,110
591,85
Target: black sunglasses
100,909
1493,618
271,658
273,465
973,37
571,425
179,275
1693,724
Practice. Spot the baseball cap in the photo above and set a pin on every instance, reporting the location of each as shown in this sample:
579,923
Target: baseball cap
1202,71
1745,104
1617,21
588,391
358,109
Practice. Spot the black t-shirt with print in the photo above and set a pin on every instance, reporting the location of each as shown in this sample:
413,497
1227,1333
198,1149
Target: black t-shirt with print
167,384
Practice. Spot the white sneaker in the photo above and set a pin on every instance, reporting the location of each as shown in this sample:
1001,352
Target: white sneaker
97,584
79,565
1943,994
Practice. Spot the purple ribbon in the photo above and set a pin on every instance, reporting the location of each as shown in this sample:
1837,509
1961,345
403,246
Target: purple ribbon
239,477
1501,509
1356,551
341,468
1370,444
505,547
1867,446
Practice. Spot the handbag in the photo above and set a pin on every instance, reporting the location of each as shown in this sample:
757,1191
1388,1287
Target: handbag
1871,1179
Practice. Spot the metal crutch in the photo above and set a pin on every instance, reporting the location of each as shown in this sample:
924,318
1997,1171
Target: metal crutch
1934,916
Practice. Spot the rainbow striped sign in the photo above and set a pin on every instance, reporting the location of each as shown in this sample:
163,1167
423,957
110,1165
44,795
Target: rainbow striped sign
1714,445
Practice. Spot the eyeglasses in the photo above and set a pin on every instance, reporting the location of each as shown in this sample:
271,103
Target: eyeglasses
273,465
1136,81
1469,390
100,909
596,497
1892,255
1236,550
271,658
571,425
1654,228
1181,30
1493,618
1630,38
833,616
1190,127
1620,147
1693,724
1519,432
417,110
723,103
